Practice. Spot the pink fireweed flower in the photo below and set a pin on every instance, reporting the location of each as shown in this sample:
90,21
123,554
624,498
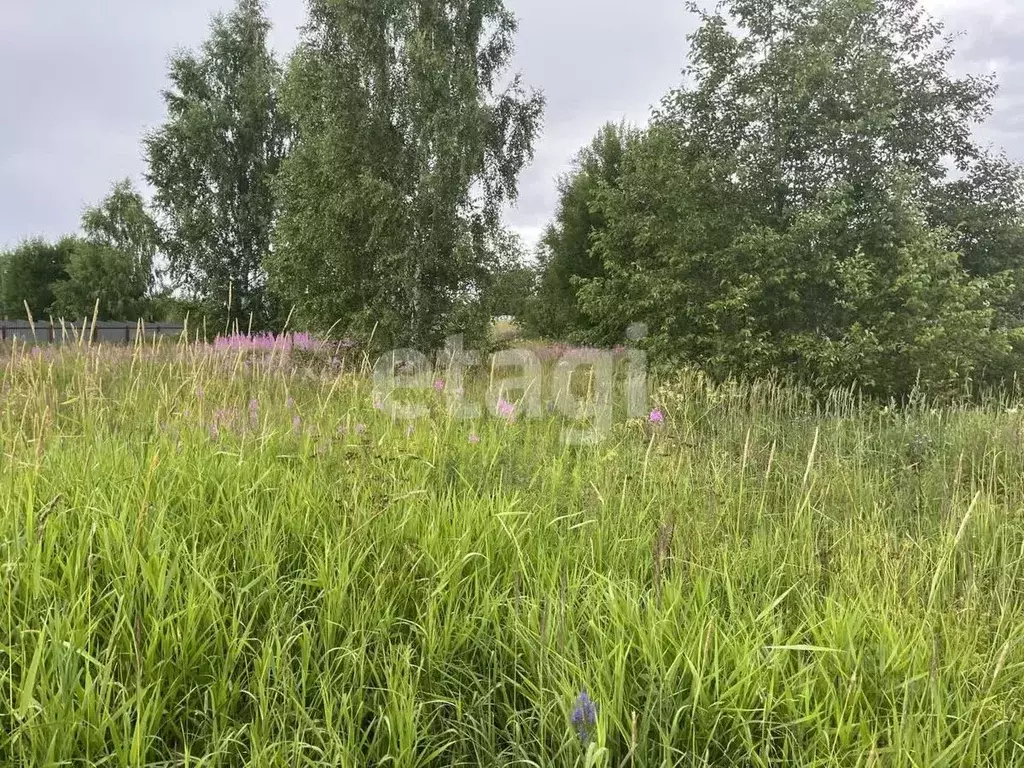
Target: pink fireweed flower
439,385
267,342
656,417
506,410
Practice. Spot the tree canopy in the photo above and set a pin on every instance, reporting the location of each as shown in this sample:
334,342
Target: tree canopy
410,137
212,164
812,201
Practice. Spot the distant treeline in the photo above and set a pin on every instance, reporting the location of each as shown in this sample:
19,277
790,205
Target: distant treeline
812,201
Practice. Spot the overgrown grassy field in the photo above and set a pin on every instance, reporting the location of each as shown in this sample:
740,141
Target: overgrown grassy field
211,560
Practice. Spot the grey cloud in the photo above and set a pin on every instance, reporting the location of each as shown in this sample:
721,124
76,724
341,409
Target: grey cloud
81,84
988,40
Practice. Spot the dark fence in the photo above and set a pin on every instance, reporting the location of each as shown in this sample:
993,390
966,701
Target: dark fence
101,332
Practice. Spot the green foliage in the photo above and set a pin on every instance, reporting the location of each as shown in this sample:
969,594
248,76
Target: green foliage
113,264
29,274
983,210
102,280
566,253
508,286
123,222
168,306
406,148
212,164
792,210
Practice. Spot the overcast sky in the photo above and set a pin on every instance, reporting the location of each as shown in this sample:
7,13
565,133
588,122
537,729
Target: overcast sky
80,84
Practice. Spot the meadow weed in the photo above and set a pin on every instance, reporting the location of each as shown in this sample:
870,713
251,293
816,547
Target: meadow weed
213,563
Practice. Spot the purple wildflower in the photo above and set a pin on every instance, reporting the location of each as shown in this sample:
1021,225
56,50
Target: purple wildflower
266,342
199,393
439,385
474,439
223,417
289,403
584,717
296,424
656,417
409,430
506,410
360,429
214,431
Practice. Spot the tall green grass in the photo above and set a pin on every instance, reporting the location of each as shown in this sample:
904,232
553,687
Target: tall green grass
210,561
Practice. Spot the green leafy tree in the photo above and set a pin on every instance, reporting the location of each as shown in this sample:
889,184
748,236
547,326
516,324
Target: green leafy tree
213,163
407,147
104,280
113,264
983,209
123,223
777,217
566,252
29,274
508,287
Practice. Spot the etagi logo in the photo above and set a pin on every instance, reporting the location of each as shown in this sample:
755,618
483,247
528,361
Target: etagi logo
582,385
